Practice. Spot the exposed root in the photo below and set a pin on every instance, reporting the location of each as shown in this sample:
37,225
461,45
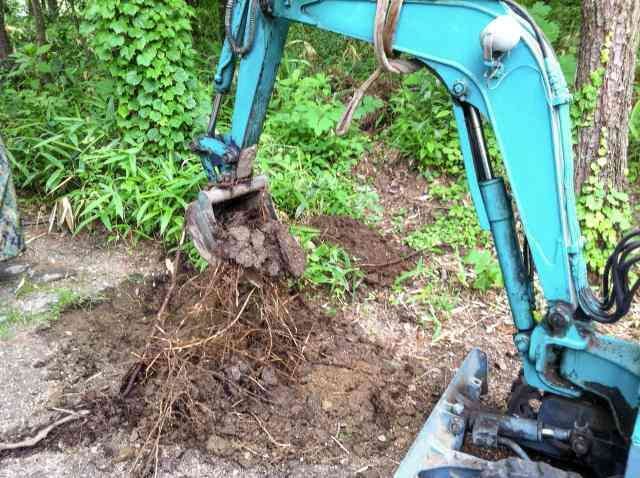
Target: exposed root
42,434
234,335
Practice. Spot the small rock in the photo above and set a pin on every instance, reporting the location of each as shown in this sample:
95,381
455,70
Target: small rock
405,420
382,438
11,271
234,373
219,445
56,397
327,405
240,233
40,363
124,454
269,377
51,275
39,302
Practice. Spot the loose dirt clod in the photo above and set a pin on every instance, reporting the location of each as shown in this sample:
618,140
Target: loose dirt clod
378,256
249,234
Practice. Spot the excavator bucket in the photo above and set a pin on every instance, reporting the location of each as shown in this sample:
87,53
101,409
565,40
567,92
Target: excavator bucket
204,214
239,224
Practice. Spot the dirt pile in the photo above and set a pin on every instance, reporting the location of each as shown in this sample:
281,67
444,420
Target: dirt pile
234,337
380,257
243,368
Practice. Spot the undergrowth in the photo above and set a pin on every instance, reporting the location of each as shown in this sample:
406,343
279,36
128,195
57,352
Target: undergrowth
327,264
423,126
309,166
103,119
454,225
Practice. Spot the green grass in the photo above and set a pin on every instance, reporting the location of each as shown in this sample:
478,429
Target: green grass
66,299
328,265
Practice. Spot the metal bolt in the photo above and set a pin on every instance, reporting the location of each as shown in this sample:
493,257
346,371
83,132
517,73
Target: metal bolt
522,343
459,88
580,445
558,322
456,426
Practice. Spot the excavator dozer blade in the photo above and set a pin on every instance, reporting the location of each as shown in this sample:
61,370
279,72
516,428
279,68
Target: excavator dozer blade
240,224
440,439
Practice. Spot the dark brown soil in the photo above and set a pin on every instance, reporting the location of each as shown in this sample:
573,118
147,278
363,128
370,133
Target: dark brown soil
247,369
276,385
380,257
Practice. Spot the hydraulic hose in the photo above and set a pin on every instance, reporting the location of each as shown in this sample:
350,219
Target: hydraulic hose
536,29
237,49
617,290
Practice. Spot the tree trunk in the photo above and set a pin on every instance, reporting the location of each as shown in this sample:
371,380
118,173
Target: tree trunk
609,39
52,8
222,8
5,42
41,34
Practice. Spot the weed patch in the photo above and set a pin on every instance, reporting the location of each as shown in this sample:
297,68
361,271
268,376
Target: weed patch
422,292
309,166
327,265
63,299
423,126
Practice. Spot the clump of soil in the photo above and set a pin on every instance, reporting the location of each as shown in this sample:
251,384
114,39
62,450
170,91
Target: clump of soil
381,258
247,232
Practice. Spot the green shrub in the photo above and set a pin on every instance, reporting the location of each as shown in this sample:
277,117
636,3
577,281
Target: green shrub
424,126
65,142
309,167
146,47
304,113
486,270
132,193
327,265
299,190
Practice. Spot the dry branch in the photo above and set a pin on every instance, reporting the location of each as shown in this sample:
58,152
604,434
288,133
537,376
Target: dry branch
42,434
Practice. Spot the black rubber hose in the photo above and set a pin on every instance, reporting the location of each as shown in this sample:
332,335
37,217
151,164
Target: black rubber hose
536,29
618,293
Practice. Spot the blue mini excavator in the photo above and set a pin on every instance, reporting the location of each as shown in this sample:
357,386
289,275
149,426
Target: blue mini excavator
575,404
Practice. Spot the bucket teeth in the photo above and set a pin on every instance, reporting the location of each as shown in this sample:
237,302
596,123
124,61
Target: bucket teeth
202,224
